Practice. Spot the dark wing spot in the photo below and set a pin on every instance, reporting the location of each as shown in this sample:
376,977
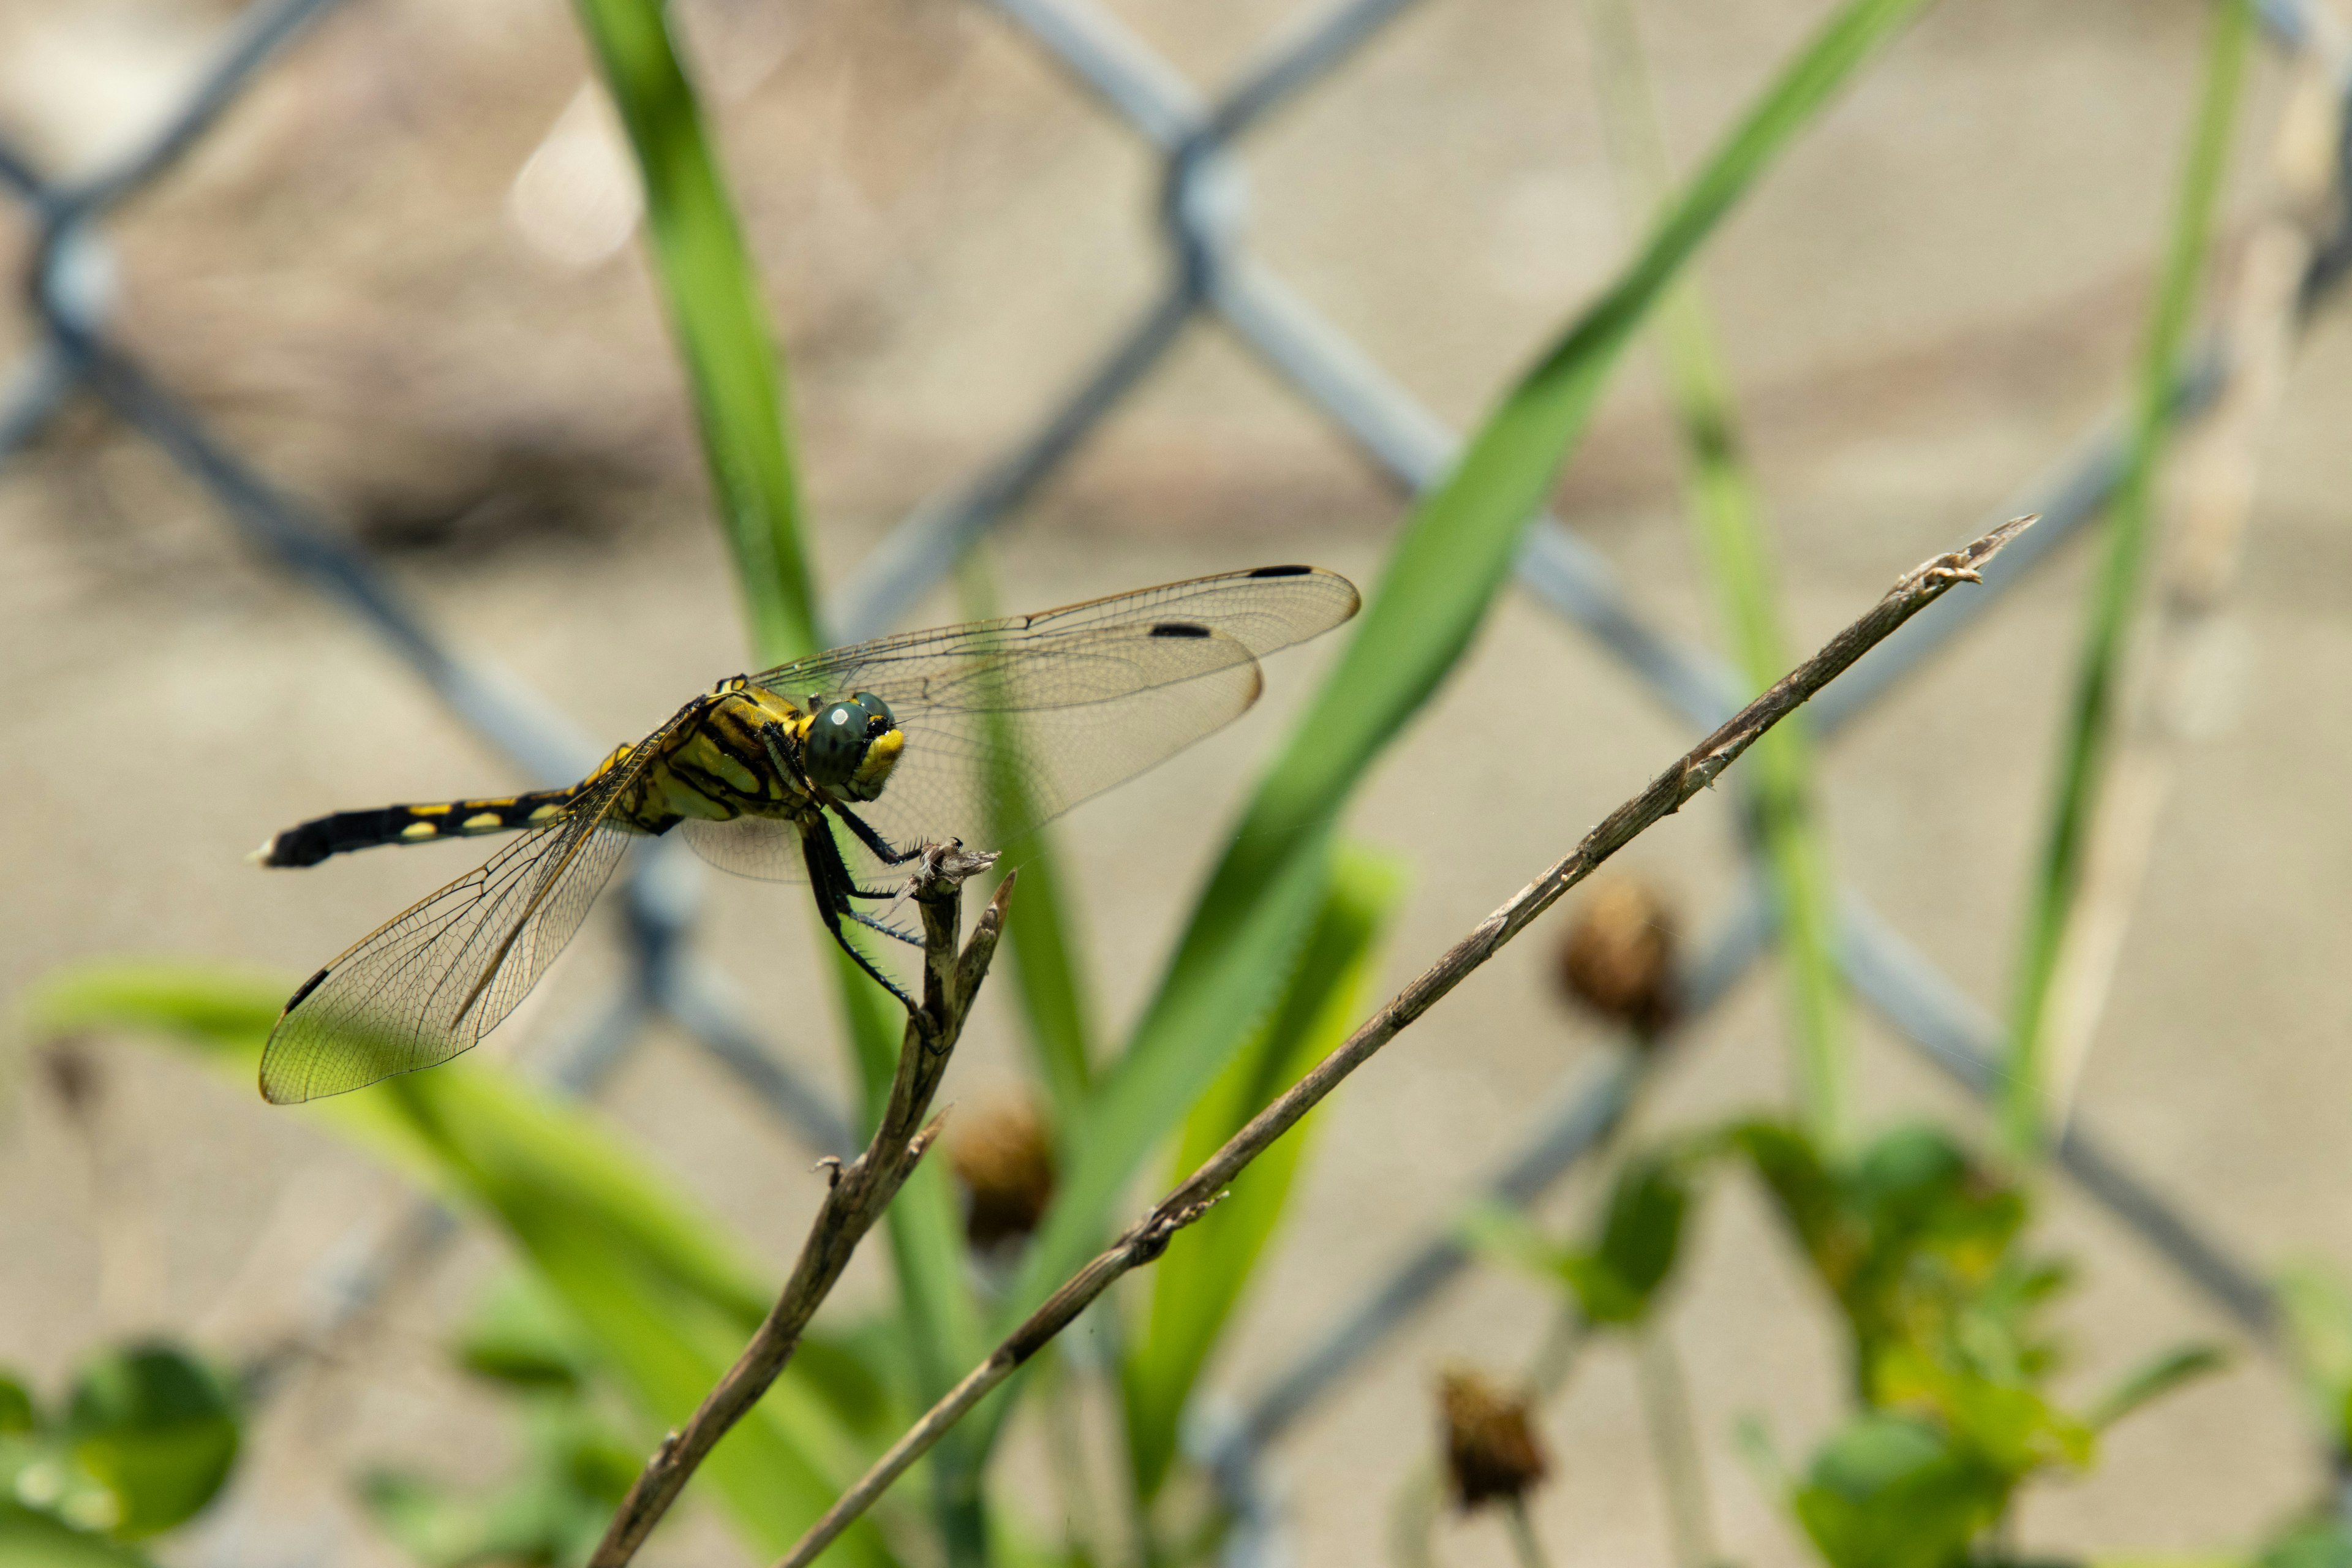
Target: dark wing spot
1181,629
1282,572
308,986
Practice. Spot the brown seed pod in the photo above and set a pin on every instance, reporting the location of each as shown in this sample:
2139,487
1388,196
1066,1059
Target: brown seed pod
1491,1452
1619,957
1004,1156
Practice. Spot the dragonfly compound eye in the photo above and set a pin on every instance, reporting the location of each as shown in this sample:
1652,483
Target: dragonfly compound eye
852,746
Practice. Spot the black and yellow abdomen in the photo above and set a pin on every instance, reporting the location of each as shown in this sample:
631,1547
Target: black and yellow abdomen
314,840
712,763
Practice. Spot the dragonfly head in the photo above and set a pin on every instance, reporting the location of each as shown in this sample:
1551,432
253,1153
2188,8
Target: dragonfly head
852,746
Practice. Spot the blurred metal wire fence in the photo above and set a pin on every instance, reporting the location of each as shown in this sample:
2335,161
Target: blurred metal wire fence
1211,273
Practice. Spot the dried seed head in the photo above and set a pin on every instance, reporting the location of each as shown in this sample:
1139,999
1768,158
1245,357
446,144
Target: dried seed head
1619,957
1491,1451
1004,1158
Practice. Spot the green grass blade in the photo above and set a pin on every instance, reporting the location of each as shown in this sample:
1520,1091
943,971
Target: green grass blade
725,338
1452,558
1197,1285
2115,592
1728,516
1046,960
720,320
662,1292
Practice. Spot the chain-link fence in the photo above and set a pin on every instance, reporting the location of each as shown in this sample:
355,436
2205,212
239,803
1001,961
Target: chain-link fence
1198,139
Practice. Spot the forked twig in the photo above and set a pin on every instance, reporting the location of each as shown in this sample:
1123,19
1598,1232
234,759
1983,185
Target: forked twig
861,1190
1694,772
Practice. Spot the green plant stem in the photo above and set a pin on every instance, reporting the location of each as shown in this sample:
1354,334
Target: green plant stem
1729,517
724,337
2115,592
1522,1531
1674,1440
1047,962
720,320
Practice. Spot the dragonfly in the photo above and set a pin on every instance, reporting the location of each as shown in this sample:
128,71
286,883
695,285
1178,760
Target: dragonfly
834,770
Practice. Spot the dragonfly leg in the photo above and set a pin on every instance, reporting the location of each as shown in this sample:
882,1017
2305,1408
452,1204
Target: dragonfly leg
871,839
829,880
870,923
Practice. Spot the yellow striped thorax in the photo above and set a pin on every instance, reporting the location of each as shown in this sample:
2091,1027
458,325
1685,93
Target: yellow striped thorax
714,764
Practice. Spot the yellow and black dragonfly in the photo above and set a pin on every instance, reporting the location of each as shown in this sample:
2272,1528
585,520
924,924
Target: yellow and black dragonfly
976,732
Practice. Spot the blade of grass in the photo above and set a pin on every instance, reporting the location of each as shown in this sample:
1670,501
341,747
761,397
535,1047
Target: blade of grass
1046,960
1728,516
1452,558
1200,1282
659,1288
2115,592
720,318
724,337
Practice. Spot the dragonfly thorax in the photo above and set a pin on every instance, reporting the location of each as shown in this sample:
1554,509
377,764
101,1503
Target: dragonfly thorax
850,747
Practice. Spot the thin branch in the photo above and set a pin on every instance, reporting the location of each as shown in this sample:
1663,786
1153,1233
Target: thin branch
861,1191
1665,794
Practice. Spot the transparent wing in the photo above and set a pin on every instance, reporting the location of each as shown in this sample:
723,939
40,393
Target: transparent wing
761,847
1010,722
429,983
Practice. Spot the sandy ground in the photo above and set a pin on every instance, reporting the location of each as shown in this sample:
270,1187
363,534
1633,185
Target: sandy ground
1923,306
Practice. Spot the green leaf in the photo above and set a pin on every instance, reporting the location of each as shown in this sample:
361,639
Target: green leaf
656,1287
2090,728
720,320
1199,1282
31,1539
2010,1427
157,1429
1450,561
521,1336
2312,1543
1616,1280
2155,1378
2318,1320
1886,1491
1807,1194
1642,1235
19,1414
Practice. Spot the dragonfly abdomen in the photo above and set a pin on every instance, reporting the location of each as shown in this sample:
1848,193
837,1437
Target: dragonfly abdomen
314,841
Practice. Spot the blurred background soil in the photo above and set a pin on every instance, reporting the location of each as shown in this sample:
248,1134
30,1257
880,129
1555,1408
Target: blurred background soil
401,277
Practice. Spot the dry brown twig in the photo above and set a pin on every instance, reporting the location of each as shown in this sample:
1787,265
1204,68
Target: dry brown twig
1695,771
860,1191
